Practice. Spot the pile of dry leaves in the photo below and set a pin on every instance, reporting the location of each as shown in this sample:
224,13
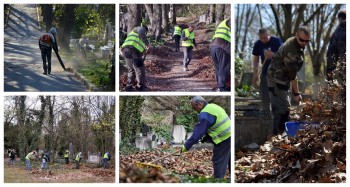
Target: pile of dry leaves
316,154
193,163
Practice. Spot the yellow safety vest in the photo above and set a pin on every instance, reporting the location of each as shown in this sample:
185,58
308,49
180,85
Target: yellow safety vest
177,30
105,155
221,130
66,155
77,158
223,31
134,40
189,41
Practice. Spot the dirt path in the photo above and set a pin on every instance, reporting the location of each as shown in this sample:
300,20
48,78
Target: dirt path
22,59
164,70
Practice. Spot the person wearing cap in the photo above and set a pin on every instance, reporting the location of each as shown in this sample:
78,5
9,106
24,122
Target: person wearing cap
132,49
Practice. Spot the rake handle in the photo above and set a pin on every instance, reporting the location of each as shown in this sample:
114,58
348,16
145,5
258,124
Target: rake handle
161,158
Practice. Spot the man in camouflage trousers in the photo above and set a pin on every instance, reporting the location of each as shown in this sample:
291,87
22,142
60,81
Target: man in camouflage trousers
282,75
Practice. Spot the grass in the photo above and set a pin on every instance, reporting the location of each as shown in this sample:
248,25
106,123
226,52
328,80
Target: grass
98,74
61,174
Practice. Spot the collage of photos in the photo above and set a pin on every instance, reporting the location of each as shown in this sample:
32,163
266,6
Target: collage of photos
165,115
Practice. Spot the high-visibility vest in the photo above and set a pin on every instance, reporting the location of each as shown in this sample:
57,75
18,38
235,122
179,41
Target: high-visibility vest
189,41
105,156
177,30
221,130
134,40
77,158
66,155
223,31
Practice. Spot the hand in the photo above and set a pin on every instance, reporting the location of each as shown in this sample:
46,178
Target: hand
183,149
268,54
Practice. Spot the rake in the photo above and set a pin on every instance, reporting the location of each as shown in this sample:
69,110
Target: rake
150,165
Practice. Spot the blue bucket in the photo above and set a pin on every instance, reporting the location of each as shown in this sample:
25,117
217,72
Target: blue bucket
292,128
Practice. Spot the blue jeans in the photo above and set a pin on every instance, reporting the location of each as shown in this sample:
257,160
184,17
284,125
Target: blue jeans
105,163
44,165
222,158
28,164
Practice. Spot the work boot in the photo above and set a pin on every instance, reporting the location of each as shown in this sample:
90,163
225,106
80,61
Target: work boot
129,88
142,88
186,68
45,73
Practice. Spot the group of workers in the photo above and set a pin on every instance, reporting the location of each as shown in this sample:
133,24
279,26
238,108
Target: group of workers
45,158
136,44
281,63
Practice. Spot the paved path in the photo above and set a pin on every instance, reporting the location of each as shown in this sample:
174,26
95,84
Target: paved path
22,58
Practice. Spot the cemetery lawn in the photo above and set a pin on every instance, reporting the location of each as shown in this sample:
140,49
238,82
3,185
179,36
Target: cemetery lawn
58,173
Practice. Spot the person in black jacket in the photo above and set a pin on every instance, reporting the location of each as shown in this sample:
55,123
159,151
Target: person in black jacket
337,46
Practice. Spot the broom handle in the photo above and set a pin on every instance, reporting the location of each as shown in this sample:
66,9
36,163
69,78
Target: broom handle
161,158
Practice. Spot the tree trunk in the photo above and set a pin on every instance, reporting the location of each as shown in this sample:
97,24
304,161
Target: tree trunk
165,22
211,13
134,19
157,16
227,11
220,10
47,13
173,13
21,113
65,24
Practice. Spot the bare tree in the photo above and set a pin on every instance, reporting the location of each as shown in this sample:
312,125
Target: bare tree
165,21
134,19
220,11
211,13
227,11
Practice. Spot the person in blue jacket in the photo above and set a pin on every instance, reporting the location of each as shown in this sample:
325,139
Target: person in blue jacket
214,125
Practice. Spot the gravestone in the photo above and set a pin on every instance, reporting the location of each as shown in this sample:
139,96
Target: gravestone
93,158
154,137
71,150
141,143
145,129
202,18
179,133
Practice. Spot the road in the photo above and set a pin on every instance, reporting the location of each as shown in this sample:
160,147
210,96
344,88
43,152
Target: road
22,59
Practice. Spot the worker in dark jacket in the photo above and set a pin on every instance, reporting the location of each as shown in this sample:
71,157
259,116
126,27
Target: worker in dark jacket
220,50
132,49
215,125
188,43
337,46
47,42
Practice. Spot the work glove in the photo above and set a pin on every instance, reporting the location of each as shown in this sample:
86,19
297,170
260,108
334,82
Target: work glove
183,149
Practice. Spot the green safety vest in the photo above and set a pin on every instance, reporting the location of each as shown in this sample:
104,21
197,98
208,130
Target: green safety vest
105,155
77,158
177,30
221,130
223,31
66,155
134,40
189,41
